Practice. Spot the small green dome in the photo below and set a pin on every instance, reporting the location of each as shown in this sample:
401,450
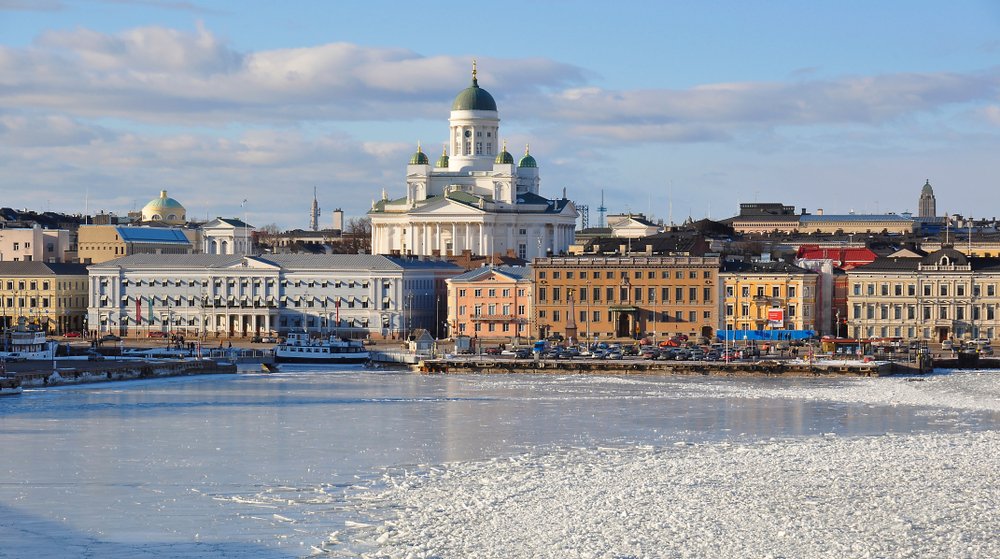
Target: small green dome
504,157
474,98
419,158
527,161
442,162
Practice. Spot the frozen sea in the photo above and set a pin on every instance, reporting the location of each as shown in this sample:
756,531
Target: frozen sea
389,464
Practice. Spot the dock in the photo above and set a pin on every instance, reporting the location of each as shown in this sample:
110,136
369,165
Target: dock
38,374
644,366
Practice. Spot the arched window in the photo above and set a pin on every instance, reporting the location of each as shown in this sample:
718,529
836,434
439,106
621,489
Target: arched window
225,248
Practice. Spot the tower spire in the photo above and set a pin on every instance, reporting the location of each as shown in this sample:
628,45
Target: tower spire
474,80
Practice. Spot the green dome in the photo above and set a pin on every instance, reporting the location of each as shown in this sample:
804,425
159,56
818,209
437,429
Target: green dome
504,157
164,209
474,98
419,158
527,161
442,162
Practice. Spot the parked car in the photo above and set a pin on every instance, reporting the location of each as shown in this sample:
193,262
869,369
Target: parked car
15,358
72,334
154,335
522,353
947,345
614,355
493,351
110,338
986,350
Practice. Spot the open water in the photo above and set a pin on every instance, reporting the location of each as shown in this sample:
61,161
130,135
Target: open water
278,465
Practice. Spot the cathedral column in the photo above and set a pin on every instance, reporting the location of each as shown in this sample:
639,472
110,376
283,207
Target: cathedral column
510,236
468,236
425,248
454,238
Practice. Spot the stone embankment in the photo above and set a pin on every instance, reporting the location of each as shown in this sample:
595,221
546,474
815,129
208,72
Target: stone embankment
120,370
584,366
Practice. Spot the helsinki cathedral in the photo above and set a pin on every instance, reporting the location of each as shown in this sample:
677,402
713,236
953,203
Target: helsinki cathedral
476,199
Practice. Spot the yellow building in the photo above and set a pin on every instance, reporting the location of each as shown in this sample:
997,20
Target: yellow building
100,243
769,296
51,296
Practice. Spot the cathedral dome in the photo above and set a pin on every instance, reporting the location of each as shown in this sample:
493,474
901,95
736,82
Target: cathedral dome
504,157
164,209
474,98
419,158
927,190
442,162
527,161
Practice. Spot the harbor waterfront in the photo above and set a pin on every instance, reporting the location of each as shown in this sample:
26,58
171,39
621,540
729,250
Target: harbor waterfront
347,462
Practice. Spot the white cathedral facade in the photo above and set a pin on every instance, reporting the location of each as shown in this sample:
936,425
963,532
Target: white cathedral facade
478,199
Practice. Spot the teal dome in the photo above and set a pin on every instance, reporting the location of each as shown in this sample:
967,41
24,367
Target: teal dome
474,98
527,161
504,157
419,158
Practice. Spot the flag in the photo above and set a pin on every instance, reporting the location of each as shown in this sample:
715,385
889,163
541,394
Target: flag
150,310
337,305
138,310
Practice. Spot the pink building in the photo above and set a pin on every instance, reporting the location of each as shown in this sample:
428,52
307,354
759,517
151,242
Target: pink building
491,303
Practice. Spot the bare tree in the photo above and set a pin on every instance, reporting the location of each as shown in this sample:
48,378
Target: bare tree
357,236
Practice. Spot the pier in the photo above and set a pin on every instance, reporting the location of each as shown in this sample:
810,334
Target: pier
37,374
785,368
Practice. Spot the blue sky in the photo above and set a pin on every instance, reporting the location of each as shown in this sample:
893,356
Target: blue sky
672,108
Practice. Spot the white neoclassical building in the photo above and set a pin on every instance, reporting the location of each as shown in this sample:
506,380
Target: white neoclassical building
477,199
227,236
221,296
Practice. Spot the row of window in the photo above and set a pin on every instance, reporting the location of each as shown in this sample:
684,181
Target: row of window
910,289
629,295
761,291
926,312
492,292
624,274
911,332
31,285
491,310
609,317
791,311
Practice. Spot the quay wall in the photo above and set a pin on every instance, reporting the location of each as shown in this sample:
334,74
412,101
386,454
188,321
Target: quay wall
133,370
759,368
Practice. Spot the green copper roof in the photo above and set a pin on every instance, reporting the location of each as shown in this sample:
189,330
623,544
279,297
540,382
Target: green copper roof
474,98
504,158
419,158
527,161
442,162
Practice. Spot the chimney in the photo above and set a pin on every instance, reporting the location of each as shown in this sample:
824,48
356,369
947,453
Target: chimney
819,211
338,219
649,250
623,249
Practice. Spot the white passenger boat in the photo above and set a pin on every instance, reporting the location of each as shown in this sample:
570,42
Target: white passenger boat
301,348
25,344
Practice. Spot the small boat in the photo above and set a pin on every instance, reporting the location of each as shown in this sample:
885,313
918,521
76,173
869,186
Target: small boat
10,385
268,368
301,348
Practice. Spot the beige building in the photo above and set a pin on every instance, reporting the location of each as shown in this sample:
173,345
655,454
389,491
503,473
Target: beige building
52,296
944,295
594,297
100,243
34,245
769,296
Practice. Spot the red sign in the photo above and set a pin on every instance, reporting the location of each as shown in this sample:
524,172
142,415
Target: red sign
776,317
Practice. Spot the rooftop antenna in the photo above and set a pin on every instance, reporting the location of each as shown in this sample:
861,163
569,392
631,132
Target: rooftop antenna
86,207
670,204
314,213
601,210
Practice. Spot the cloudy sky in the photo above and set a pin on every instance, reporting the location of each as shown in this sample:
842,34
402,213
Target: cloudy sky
671,108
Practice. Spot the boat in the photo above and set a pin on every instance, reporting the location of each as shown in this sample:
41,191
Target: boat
300,347
9,385
23,343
